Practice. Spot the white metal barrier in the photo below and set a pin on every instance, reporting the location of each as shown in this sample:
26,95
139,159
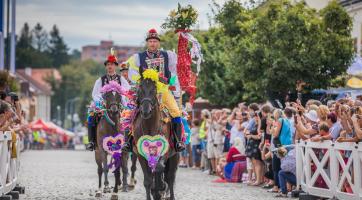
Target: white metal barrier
9,167
330,169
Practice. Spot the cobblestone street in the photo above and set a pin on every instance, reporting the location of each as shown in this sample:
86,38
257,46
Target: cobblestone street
72,175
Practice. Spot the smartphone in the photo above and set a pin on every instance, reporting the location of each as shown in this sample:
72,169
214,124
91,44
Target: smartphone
260,115
299,96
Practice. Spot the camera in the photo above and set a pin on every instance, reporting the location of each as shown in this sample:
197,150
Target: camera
260,114
14,97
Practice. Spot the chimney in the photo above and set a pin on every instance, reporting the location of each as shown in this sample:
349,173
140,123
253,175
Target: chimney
28,71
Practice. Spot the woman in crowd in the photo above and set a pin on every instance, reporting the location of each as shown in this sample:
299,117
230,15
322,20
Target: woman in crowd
236,162
196,144
307,125
227,127
252,148
282,135
287,174
205,121
215,140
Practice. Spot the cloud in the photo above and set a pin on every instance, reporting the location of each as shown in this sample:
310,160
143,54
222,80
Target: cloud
83,22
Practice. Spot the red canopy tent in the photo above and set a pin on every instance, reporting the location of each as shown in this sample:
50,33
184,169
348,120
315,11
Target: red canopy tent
41,125
57,129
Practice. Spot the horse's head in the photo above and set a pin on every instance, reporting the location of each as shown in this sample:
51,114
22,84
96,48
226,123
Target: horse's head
112,97
147,97
112,101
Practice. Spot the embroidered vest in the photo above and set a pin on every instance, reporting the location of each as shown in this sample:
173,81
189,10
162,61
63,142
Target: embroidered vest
116,78
160,63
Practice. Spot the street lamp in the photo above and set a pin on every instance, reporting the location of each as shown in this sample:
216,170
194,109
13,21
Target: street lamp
58,115
69,104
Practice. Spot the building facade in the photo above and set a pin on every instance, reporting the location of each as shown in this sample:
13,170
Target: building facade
101,51
36,92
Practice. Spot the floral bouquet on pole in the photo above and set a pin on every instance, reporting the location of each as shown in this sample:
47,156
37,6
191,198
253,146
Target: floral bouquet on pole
181,21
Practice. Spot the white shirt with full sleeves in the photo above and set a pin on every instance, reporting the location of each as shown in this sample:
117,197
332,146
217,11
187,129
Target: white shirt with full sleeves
96,93
135,63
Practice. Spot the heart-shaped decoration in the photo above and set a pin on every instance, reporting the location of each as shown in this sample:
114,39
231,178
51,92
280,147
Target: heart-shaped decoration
152,148
113,144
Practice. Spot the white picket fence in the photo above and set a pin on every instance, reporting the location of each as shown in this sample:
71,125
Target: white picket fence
9,167
339,165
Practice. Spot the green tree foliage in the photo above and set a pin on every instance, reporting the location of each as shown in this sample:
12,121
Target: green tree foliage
26,54
291,42
261,52
78,78
34,49
7,82
40,37
58,50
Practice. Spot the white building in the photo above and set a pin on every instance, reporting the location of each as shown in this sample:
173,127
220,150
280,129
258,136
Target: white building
36,92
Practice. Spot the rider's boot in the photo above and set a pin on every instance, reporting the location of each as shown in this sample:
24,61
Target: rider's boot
91,134
177,130
127,147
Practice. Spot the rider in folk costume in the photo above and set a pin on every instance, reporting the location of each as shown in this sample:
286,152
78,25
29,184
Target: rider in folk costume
110,64
165,63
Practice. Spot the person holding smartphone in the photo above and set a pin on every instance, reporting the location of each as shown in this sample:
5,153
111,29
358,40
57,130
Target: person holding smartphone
252,148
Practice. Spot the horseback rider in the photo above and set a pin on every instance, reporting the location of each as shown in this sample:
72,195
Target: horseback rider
110,64
164,62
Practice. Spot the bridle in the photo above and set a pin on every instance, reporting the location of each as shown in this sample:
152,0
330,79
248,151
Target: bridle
151,100
108,109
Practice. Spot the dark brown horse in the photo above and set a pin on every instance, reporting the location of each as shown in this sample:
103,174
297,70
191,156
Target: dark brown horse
109,125
149,121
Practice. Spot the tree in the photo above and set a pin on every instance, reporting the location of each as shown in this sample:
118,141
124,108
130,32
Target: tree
78,78
40,37
75,55
26,38
58,50
7,82
261,53
26,54
290,42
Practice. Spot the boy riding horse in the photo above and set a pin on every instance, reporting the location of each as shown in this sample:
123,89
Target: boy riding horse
165,63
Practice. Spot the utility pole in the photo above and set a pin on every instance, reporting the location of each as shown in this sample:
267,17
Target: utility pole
13,33
2,35
7,52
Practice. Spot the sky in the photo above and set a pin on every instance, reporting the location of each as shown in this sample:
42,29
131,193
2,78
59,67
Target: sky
85,22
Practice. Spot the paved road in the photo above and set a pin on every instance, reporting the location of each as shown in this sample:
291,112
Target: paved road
72,175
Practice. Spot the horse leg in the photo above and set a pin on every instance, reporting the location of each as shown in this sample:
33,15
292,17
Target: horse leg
105,172
124,172
158,188
147,180
100,171
133,169
117,174
170,174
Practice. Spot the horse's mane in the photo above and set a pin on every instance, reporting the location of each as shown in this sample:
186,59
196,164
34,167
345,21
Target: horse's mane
113,86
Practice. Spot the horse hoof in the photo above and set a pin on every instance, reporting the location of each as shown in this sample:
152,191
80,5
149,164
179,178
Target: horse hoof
114,196
133,182
125,189
131,187
98,194
107,190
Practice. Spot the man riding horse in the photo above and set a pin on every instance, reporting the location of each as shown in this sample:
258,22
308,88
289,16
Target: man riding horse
110,64
164,62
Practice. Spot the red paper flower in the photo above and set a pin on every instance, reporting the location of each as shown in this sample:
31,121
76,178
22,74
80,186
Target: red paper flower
152,31
112,59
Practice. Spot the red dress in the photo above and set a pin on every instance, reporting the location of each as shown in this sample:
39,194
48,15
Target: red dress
234,155
233,171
